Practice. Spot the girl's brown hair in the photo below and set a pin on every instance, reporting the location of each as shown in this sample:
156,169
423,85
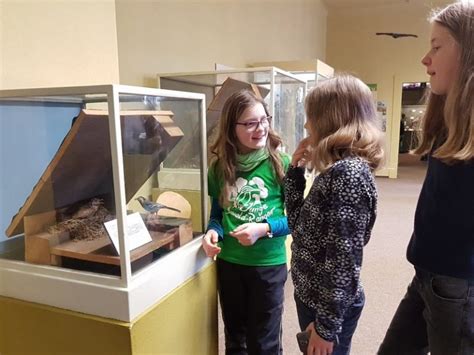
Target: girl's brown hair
224,150
448,124
342,121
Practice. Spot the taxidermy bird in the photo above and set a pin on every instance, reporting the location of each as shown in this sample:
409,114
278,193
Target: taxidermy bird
153,207
395,34
88,209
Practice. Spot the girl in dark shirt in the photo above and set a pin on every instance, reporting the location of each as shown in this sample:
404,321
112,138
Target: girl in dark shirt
437,312
333,223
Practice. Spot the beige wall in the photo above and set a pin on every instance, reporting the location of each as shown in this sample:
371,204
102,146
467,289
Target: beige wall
74,42
57,43
191,35
353,46
81,42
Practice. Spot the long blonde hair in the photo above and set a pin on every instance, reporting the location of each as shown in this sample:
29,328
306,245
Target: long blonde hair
448,124
224,150
342,118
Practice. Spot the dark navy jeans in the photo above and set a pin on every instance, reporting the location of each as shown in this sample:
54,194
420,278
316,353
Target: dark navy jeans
436,315
252,300
343,344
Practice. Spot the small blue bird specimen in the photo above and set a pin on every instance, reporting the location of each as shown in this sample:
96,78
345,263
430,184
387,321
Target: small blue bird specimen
153,207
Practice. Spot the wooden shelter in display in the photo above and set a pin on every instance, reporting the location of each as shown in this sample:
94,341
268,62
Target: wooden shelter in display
81,170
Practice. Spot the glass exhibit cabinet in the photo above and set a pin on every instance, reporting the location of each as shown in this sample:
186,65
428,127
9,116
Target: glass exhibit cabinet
282,91
84,215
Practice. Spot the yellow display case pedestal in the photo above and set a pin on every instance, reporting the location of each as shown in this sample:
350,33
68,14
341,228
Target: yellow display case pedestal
183,322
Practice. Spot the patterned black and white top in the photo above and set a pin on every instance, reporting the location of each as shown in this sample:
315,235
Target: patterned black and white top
330,228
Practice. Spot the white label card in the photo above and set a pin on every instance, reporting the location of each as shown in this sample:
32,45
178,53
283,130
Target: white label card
137,234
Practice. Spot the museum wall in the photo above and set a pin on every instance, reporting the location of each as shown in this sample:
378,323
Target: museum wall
49,43
57,43
182,36
354,47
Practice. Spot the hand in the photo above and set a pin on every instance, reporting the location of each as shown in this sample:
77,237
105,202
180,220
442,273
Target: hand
302,155
317,345
248,233
209,243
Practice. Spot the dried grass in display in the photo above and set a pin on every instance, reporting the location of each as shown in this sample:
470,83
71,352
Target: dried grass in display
86,223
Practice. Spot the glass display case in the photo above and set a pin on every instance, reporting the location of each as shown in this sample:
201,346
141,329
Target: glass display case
322,72
282,91
82,206
312,71
410,127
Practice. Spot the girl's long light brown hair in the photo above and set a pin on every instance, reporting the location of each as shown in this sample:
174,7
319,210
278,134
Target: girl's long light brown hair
342,121
448,123
224,150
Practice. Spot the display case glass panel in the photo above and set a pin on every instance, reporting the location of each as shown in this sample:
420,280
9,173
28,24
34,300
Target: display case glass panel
283,92
79,182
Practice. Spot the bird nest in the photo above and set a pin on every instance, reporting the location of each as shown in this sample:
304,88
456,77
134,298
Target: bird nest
85,221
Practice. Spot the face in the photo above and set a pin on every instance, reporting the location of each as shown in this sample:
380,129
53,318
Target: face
442,61
252,136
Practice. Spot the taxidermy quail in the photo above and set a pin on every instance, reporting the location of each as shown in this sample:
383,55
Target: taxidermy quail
88,209
153,207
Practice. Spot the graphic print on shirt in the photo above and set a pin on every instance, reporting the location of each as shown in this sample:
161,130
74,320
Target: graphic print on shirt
246,203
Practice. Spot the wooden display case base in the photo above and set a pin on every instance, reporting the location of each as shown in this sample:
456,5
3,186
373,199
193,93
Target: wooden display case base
50,248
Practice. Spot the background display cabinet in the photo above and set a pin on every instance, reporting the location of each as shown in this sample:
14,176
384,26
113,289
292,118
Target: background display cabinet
88,227
282,91
312,71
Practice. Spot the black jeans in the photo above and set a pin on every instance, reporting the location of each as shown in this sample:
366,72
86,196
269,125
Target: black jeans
436,315
343,344
252,307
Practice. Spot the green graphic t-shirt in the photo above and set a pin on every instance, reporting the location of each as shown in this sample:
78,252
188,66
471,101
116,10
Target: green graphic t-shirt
256,196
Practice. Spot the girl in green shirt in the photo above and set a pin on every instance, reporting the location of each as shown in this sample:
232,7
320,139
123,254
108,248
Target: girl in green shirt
247,228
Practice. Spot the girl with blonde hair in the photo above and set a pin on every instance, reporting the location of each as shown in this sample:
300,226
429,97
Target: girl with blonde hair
333,223
437,313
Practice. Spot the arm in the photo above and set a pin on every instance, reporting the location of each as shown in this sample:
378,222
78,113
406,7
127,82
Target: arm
214,230
295,184
249,233
215,219
350,219
278,226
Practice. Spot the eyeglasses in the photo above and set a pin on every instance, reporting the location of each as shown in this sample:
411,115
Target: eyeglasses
252,126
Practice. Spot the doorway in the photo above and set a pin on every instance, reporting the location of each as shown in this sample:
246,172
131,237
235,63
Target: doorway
412,111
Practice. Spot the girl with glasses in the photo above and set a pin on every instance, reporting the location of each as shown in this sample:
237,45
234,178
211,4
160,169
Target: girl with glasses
247,227
437,313
333,223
